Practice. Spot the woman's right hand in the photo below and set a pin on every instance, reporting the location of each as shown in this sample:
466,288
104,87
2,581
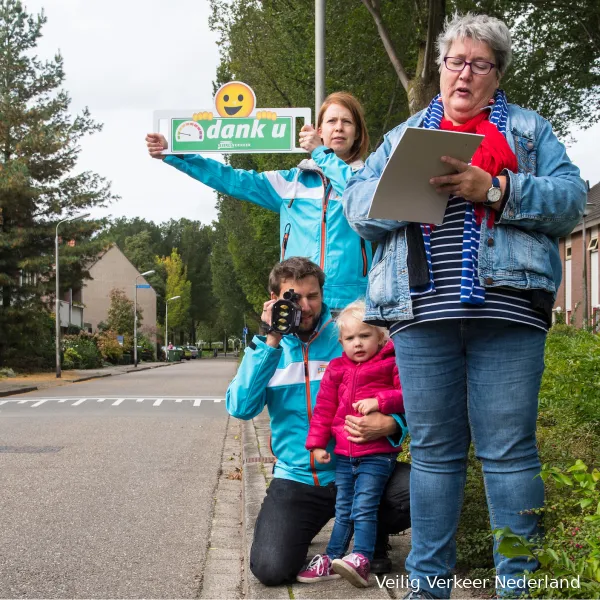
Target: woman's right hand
156,143
321,455
309,138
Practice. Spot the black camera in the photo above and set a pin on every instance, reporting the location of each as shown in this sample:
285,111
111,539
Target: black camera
287,314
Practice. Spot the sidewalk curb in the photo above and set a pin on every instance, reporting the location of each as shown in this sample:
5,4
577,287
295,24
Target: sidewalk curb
23,390
255,478
34,388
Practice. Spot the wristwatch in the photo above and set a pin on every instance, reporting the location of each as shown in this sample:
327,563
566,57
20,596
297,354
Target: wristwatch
494,193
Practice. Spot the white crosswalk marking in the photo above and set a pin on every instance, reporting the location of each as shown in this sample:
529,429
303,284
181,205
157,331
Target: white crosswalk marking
36,402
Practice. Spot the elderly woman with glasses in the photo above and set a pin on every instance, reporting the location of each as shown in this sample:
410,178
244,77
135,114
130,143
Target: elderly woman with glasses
468,303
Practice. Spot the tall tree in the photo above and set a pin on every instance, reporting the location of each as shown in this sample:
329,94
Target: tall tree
428,17
39,146
177,284
233,307
196,247
556,44
139,249
270,45
120,315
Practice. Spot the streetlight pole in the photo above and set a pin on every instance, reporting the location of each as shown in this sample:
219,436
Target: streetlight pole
57,304
135,356
167,320
319,55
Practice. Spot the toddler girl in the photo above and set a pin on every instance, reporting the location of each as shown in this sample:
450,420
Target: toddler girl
363,380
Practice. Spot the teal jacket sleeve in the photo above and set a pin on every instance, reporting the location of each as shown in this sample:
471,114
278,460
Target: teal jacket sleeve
398,438
239,183
335,169
361,189
247,393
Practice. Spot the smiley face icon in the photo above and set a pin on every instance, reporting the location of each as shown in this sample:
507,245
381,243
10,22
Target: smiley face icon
235,99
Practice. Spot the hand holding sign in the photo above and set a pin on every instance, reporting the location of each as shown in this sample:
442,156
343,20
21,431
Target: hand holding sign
309,138
235,125
156,143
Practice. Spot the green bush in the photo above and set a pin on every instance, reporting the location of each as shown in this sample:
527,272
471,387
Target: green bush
27,338
109,347
571,547
86,349
71,359
568,431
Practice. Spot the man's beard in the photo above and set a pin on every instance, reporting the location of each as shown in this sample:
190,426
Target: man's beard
311,327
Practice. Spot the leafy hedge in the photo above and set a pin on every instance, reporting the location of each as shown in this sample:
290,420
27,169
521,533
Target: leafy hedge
569,446
81,352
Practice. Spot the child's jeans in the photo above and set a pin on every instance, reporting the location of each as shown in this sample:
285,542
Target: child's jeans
360,483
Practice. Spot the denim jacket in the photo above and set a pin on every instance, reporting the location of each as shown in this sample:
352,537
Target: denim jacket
546,201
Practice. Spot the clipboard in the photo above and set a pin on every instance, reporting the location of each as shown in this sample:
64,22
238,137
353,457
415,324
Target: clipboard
403,192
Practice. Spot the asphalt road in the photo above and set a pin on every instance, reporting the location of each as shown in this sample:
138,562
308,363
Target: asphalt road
106,492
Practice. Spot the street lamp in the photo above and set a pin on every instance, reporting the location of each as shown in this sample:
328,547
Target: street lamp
167,320
135,357
57,307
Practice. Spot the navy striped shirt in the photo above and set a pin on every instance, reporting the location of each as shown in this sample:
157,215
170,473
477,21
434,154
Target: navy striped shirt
446,260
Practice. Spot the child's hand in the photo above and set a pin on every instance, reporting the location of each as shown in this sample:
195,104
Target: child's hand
366,406
321,456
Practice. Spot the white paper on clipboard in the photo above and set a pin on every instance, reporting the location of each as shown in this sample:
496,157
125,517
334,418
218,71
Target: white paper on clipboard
404,192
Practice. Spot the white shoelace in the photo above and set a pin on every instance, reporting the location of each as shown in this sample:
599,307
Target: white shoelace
318,563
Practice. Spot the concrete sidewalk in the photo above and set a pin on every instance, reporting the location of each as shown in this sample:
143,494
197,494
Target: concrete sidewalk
30,383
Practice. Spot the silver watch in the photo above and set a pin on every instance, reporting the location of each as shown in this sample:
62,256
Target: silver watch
494,193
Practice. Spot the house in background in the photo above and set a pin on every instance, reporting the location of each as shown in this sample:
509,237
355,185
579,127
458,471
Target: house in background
576,250
71,309
111,270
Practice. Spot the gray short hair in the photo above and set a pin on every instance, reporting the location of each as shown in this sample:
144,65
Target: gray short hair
481,28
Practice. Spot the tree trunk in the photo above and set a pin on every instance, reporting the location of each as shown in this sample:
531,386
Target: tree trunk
423,88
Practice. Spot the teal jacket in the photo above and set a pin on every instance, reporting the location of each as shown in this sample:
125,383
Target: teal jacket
286,380
312,223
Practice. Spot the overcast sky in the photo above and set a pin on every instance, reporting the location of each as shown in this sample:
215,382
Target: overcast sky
125,58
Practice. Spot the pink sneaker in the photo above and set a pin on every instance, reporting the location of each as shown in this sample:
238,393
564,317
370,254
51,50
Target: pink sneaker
319,569
355,568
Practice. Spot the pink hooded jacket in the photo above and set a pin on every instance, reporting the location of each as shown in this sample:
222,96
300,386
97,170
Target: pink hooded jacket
346,382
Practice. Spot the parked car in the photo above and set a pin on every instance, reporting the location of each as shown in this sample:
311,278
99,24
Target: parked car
185,352
194,351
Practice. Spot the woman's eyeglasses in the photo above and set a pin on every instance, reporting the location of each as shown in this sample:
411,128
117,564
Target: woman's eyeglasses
478,67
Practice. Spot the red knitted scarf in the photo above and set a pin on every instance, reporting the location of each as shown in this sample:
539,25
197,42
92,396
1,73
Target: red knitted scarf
493,155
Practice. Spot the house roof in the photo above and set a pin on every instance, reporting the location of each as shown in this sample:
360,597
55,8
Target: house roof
592,212
594,199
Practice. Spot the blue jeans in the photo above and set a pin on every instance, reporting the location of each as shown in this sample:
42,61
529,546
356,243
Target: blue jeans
469,380
360,483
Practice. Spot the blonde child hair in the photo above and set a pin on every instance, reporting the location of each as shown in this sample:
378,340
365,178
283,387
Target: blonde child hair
356,310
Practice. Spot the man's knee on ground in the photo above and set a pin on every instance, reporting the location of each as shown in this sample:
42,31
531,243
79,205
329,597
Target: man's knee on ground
271,569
